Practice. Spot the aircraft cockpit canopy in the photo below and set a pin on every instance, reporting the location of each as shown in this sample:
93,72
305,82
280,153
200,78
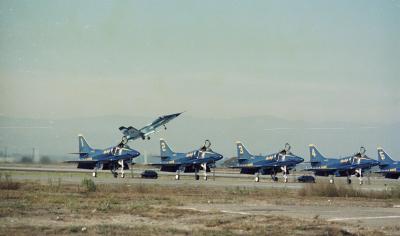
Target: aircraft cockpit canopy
286,150
206,146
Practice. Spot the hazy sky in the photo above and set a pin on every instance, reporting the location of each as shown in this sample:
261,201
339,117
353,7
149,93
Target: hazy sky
300,60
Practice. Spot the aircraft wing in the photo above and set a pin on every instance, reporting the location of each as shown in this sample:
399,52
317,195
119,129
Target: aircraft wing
248,166
88,161
163,164
147,130
320,169
81,161
385,171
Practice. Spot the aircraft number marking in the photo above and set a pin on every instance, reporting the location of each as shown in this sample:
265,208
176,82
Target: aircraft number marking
240,149
163,147
382,155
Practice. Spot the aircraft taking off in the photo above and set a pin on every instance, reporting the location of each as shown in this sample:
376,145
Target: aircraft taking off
110,158
271,164
346,166
194,161
389,168
131,133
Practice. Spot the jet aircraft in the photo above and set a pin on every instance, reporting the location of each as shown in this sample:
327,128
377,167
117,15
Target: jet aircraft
202,159
111,158
341,167
389,168
131,133
271,164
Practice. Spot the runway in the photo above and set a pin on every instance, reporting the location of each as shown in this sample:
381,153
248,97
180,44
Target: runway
221,178
366,216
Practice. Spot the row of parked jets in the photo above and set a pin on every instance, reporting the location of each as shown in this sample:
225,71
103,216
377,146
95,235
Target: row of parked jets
204,159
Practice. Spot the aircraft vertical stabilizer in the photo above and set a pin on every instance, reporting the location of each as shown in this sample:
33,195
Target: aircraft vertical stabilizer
165,150
242,151
83,145
315,155
383,157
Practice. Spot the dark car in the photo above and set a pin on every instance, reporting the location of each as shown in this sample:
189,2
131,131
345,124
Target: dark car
149,174
306,179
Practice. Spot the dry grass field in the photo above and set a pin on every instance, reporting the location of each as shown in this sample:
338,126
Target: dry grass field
58,208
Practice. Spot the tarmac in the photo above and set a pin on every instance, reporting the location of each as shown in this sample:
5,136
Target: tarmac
221,178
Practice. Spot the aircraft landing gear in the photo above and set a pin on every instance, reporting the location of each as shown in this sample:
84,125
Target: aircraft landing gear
113,170
204,166
257,177
196,174
177,175
348,180
121,163
360,177
96,168
273,177
165,127
285,172
331,180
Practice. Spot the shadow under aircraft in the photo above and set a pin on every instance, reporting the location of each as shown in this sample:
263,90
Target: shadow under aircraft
190,162
388,168
340,167
271,164
112,158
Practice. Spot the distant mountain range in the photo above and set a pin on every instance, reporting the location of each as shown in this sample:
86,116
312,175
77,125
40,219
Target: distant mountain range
259,134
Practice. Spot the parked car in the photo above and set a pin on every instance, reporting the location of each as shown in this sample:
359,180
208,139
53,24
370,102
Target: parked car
306,179
149,174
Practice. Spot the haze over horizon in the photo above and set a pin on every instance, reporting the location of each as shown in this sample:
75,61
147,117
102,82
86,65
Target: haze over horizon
308,60
270,68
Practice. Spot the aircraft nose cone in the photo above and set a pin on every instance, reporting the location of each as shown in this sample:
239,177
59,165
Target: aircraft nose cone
299,159
218,156
134,153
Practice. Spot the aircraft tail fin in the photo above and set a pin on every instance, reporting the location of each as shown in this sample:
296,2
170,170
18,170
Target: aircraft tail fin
242,151
129,131
84,147
383,157
165,150
315,155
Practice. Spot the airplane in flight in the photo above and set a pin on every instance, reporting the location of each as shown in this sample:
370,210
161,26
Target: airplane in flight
388,167
340,167
111,158
271,164
131,133
191,162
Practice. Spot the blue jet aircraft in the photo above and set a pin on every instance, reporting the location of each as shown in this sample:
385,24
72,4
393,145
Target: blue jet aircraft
131,133
389,168
194,161
341,167
110,158
271,164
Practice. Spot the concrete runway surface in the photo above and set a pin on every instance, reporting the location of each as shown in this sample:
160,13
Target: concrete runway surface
222,178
